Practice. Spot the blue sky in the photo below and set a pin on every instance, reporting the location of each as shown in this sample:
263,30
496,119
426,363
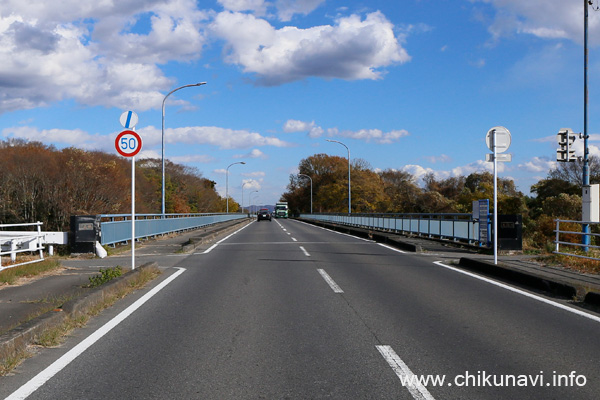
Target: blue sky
409,85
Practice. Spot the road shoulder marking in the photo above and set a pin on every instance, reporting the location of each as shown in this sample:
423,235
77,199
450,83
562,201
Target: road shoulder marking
225,238
521,292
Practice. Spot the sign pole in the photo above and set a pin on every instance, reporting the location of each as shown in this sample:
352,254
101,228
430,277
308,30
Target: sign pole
133,212
128,143
495,198
498,141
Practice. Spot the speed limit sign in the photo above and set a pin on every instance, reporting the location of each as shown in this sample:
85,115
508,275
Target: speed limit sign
128,143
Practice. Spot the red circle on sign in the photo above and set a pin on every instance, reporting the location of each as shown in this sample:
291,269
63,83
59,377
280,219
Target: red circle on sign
128,143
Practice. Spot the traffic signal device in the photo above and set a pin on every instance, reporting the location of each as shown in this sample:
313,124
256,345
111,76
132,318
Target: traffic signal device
565,151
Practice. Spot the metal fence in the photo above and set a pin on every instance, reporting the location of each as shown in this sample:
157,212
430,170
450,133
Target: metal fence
558,240
116,228
451,226
13,242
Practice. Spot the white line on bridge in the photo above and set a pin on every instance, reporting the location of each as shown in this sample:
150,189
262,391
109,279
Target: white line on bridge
522,292
225,238
416,388
306,253
334,286
391,248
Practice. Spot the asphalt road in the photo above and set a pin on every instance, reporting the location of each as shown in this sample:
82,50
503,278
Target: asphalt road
283,309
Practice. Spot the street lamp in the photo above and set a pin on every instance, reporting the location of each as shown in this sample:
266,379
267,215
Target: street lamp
243,184
250,200
349,196
311,196
163,139
227,182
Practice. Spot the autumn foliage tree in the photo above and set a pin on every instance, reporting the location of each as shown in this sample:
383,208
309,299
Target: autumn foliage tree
41,183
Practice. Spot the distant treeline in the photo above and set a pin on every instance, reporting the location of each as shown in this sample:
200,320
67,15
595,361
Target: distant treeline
395,191
40,183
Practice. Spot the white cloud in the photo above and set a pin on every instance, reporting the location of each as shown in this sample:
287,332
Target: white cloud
223,138
199,135
50,55
352,49
255,174
443,158
286,9
419,171
255,153
193,158
73,137
370,135
293,125
538,164
258,7
251,184
548,19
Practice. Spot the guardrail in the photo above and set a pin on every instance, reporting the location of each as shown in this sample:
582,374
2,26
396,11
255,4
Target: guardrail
13,242
452,226
116,228
558,242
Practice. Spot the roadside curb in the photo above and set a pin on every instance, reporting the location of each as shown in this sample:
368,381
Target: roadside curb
208,236
17,339
583,292
393,239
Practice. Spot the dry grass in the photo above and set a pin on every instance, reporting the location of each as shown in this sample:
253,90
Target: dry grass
578,264
11,276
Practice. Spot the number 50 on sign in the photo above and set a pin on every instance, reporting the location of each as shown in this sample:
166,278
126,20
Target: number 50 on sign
128,143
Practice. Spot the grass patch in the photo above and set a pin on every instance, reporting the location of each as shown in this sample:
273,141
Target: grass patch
106,275
11,275
118,249
9,361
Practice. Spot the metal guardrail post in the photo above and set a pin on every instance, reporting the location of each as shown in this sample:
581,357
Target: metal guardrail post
557,234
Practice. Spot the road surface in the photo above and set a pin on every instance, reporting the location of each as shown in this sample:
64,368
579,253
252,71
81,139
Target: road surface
287,310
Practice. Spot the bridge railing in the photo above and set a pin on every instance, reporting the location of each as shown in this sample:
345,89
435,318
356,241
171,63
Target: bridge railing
450,226
14,242
116,228
574,246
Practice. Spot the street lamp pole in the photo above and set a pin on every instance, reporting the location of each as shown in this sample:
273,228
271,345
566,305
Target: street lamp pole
311,192
585,228
163,139
243,184
250,200
227,182
349,184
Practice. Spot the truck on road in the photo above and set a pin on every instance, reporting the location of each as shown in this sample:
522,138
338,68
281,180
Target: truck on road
281,209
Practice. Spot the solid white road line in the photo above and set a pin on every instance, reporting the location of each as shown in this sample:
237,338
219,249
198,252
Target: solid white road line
304,251
391,248
417,390
522,292
334,286
225,238
332,231
41,378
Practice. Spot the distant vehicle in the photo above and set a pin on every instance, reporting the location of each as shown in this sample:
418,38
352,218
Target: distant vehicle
263,213
281,209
